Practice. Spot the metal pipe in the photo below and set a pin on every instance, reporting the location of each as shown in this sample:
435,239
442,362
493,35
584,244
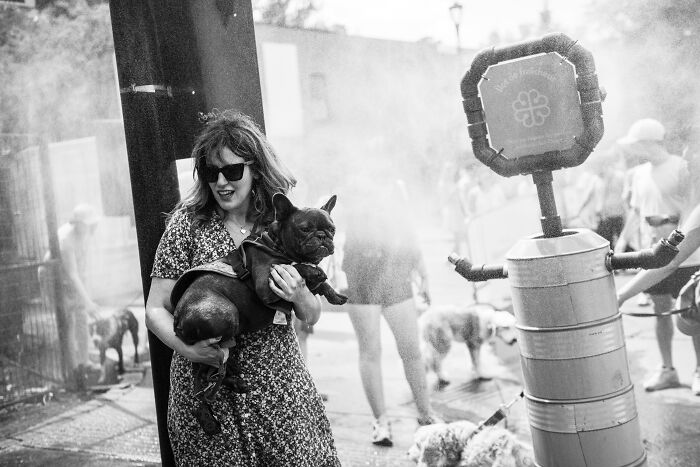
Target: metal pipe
479,273
658,256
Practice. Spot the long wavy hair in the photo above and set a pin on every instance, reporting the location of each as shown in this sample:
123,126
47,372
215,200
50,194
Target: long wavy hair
239,133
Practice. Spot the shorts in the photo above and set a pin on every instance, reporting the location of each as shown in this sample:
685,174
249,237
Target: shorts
673,284
377,280
367,290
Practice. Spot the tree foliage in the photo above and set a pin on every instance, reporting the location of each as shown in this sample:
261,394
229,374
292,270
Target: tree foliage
659,45
56,67
287,13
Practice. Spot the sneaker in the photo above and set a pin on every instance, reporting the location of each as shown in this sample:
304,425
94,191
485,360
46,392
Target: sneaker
664,379
695,387
381,432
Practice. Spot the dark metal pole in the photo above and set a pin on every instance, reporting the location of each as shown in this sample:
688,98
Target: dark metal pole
175,59
550,220
152,169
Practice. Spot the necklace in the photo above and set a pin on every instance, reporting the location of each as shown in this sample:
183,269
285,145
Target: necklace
241,228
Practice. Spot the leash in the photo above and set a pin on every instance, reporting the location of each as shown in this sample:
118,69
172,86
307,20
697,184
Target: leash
499,414
651,315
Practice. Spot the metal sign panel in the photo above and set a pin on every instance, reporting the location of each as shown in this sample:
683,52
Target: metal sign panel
531,105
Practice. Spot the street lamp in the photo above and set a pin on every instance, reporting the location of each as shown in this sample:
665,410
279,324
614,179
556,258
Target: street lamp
456,15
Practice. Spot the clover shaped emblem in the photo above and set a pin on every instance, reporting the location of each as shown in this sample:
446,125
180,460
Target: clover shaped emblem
531,108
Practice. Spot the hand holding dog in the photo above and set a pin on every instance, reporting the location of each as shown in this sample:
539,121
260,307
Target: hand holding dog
287,283
208,351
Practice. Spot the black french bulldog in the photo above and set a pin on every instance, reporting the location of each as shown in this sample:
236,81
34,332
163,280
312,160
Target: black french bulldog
108,332
210,302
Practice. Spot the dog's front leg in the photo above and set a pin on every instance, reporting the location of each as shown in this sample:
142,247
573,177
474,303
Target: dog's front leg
475,354
120,354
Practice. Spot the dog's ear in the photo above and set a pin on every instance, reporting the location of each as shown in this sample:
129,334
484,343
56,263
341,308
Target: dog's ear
283,206
330,204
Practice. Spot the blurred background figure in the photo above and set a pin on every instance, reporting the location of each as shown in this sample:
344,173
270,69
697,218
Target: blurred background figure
659,191
581,192
381,261
609,209
453,186
74,238
486,194
679,270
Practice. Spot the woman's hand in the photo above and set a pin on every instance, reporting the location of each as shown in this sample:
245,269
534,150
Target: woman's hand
286,282
207,351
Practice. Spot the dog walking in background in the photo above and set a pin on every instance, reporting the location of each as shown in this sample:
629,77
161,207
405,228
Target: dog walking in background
108,332
473,325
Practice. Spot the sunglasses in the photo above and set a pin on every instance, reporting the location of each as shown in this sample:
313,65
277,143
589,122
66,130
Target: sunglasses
231,172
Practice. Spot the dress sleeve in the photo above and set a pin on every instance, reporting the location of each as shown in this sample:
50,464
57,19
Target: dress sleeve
174,253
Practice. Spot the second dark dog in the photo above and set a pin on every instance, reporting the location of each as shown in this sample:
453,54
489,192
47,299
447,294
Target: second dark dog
108,332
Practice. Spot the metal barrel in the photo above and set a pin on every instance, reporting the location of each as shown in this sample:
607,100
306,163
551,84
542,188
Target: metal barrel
580,400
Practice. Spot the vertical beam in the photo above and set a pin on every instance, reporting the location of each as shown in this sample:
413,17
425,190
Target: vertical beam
152,170
204,51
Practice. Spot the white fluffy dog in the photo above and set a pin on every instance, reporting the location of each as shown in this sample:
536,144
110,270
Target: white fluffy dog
457,445
472,324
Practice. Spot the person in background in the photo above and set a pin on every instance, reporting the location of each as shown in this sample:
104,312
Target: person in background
381,257
688,259
660,189
74,239
282,420
610,207
486,194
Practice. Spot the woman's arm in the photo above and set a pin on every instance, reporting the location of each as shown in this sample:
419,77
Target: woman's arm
645,279
160,322
286,282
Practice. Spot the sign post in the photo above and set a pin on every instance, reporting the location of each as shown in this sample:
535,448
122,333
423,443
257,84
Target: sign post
532,108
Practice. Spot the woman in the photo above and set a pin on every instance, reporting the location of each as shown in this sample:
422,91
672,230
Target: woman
382,261
281,421
672,277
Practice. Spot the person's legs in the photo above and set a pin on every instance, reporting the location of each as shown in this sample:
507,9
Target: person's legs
403,322
81,334
664,328
667,377
696,376
365,322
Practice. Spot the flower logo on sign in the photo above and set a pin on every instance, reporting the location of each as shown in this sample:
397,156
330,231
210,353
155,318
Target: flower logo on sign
531,108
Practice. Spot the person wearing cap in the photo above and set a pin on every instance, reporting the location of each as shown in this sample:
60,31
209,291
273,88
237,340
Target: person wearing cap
78,307
661,193
281,420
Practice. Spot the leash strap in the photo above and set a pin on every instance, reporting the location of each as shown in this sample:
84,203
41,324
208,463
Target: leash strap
651,315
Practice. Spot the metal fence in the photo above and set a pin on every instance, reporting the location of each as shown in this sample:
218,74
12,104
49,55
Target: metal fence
31,362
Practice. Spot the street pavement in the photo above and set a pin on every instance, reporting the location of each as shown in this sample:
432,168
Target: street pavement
117,427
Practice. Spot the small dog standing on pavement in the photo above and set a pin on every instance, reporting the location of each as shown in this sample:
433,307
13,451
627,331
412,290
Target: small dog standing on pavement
108,332
472,324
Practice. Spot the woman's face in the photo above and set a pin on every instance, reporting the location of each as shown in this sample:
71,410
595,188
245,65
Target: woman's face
232,196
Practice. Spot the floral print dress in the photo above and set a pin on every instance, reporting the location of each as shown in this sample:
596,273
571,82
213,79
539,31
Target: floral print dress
282,420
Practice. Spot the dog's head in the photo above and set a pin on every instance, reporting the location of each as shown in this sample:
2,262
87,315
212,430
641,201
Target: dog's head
440,444
305,234
202,313
503,326
102,328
